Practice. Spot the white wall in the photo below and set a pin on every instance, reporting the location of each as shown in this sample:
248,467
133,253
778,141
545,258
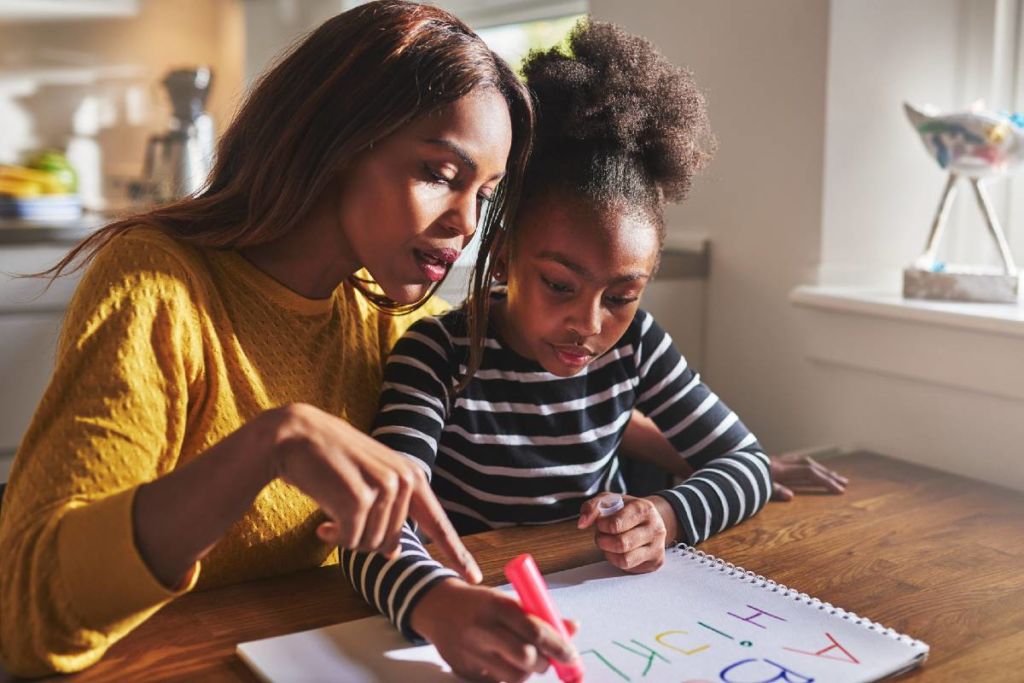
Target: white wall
271,27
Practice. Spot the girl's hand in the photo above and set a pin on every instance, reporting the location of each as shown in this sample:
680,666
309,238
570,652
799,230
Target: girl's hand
366,489
634,538
485,635
803,473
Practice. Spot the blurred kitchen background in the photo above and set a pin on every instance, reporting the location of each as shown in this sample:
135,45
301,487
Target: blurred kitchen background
781,278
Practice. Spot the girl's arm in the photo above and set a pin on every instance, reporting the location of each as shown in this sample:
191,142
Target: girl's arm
696,436
731,480
413,409
474,628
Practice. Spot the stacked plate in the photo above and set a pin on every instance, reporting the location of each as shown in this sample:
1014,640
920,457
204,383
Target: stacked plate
45,208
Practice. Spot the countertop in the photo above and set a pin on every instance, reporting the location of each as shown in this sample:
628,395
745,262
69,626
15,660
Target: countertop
24,232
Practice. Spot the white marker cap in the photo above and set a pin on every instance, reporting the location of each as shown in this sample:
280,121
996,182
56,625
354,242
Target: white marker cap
610,504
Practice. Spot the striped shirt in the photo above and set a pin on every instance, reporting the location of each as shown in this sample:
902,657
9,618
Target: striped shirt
523,446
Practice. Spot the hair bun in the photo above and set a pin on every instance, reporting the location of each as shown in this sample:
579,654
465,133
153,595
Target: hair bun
611,90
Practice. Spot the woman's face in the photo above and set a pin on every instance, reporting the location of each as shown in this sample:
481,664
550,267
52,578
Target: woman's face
411,203
575,277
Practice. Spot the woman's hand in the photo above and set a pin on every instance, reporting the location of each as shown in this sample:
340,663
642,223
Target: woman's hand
634,538
485,635
803,473
366,489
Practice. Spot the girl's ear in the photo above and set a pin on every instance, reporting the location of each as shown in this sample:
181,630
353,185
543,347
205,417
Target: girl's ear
500,269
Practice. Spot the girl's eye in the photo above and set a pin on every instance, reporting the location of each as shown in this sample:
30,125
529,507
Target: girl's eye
556,286
618,301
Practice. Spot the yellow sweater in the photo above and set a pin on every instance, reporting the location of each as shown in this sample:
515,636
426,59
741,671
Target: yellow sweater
165,350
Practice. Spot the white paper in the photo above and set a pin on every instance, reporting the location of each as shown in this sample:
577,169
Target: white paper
692,621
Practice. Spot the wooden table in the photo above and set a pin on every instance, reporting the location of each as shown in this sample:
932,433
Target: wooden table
930,554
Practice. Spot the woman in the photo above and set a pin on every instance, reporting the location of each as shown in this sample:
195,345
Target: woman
222,355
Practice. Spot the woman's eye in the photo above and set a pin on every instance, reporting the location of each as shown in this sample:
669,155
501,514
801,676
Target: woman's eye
439,175
556,286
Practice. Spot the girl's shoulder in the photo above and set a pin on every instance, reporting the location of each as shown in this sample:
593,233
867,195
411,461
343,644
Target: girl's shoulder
445,325
640,327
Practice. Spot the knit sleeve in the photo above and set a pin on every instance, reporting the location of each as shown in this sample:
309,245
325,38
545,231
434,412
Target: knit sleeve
112,418
731,479
413,408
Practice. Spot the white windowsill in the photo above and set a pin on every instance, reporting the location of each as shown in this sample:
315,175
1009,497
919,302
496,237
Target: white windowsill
1006,319
972,347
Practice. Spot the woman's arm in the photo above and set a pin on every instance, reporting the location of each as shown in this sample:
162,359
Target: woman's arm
792,472
365,489
101,517
643,441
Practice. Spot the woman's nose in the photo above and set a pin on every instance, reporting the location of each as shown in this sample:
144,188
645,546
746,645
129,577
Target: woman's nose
462,217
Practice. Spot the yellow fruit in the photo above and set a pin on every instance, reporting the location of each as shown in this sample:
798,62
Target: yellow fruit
54,162
48,182
20,189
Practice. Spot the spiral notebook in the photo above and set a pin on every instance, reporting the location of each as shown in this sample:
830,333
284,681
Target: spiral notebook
698,619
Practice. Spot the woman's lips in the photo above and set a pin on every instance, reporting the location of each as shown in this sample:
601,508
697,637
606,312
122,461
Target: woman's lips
435,262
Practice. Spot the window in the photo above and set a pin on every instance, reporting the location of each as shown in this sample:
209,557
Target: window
992,66
515,41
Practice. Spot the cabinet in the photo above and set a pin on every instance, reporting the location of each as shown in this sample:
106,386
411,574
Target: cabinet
30,320
66,10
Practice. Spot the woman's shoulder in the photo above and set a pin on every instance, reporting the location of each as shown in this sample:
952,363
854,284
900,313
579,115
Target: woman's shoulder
142,264
148,258
139,281
145,247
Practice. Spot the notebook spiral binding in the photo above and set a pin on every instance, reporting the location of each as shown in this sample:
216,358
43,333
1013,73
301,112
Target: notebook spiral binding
734,571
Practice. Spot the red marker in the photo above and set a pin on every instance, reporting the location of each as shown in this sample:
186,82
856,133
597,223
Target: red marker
524,576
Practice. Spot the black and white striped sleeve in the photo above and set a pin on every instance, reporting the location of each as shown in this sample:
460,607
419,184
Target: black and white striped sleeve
413,407
731,479
394,586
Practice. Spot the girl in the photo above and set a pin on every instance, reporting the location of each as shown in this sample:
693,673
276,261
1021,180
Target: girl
527,432
195,416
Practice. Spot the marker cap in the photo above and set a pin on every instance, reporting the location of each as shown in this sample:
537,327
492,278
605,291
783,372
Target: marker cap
610,504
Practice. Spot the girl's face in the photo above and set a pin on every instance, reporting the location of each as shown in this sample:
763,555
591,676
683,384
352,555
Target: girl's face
411,203
575,276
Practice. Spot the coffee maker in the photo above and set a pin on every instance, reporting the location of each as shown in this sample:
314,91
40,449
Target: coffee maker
178,162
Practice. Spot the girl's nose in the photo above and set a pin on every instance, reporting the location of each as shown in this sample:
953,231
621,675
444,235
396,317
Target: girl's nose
587,319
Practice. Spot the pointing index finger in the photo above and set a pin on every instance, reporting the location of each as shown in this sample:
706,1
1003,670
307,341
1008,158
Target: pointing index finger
429,514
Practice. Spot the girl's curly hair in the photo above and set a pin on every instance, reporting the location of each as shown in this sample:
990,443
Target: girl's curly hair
616,121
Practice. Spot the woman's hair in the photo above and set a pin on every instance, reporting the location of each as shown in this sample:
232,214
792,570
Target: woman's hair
616,123
356,79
